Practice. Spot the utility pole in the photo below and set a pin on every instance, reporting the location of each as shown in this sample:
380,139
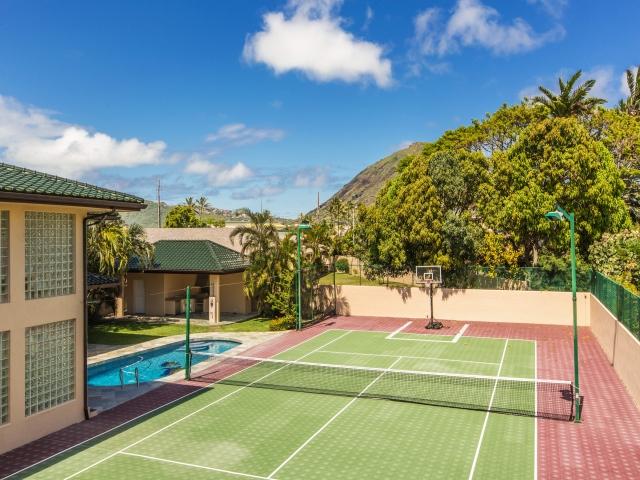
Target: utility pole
158,200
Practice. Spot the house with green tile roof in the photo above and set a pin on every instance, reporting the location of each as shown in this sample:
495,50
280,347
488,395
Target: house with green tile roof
43,298
214,273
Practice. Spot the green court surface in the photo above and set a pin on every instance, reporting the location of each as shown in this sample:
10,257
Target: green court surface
235,430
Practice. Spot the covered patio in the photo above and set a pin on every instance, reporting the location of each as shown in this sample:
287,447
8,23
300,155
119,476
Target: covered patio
214,273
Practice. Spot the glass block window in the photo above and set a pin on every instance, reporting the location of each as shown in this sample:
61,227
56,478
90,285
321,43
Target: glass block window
4,377
49,365
49,246
4,256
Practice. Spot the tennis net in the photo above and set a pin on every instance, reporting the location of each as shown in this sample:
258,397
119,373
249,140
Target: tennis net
518,396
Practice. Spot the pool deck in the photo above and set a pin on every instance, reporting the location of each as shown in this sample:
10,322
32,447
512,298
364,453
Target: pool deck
105,398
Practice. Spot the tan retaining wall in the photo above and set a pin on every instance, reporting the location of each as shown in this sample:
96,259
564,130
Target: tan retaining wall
548,308
620,346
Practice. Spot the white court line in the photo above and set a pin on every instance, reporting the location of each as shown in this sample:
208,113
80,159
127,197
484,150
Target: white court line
290,457
134,419
486,417
392,335
198,410
535,420
193,465
406,356
460,333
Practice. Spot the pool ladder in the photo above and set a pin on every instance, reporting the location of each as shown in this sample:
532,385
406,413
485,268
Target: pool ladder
135,372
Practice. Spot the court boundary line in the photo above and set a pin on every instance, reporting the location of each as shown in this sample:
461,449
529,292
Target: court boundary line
456,337
142,415
195,465
406,356
486,417
535,420
166,427
330,421
356,330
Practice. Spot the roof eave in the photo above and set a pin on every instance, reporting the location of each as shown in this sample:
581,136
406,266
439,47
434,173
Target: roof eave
211,272
21,197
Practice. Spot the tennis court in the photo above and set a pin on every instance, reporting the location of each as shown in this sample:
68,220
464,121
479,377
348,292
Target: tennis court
342,404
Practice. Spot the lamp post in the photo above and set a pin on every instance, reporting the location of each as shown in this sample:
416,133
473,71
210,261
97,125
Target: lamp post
560,214
302,226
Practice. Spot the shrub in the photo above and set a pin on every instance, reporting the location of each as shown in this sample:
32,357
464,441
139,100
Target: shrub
342,265
287,322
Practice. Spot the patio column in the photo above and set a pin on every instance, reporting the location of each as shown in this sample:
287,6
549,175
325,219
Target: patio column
214,299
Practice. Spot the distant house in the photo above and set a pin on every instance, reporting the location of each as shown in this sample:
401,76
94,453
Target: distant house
188,257
219,235
43,285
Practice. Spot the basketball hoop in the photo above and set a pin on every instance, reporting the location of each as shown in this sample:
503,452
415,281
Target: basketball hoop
430,276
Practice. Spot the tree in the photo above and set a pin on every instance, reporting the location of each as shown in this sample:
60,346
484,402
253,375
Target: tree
618,256
554,162
189,202
259,242
111,246
631,104
183,216
202,205
569,101
620,133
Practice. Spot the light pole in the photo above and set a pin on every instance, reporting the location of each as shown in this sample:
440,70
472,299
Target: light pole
302,226
560,214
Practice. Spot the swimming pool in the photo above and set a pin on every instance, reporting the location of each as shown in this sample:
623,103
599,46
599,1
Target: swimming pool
150,365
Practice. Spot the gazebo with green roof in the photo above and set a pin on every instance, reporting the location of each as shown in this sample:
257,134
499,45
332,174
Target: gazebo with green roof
214,272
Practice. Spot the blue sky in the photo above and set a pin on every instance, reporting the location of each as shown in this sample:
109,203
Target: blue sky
269,102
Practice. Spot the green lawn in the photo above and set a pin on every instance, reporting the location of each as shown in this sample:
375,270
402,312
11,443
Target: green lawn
126,332
348,279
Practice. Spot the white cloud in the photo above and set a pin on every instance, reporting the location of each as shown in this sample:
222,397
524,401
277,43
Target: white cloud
239,134
368,18
218,174
555,8
309,38
257,192
34,138
311,178
473,24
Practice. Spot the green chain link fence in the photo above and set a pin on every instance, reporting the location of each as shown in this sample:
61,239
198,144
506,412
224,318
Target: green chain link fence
624,304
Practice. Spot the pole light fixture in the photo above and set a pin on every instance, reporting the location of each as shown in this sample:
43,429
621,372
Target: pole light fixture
560,214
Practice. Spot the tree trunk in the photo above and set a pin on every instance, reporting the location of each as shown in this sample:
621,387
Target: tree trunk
120,299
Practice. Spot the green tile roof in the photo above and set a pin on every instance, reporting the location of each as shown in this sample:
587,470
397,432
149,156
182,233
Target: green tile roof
24,181
192,256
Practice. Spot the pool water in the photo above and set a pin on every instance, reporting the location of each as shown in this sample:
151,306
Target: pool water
153,364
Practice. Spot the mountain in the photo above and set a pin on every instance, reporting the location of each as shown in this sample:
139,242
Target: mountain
364,187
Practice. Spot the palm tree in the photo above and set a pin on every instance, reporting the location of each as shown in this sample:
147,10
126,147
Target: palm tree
631,104
259,242
189,202
569,101
111,246
202,205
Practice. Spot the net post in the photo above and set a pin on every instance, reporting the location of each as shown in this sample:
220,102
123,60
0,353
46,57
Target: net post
187,346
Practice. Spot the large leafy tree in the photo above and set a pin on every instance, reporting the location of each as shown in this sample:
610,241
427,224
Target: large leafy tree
617,255
111,245
182,216
620,133
571,100
555,161
631,104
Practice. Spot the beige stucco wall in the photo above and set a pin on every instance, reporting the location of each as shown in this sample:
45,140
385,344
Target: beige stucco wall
19,313
620,346
232,296
549,308
154,295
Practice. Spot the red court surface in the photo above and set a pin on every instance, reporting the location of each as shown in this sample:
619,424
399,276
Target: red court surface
605,445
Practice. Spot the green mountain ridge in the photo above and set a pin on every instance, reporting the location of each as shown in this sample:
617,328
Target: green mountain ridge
364,187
